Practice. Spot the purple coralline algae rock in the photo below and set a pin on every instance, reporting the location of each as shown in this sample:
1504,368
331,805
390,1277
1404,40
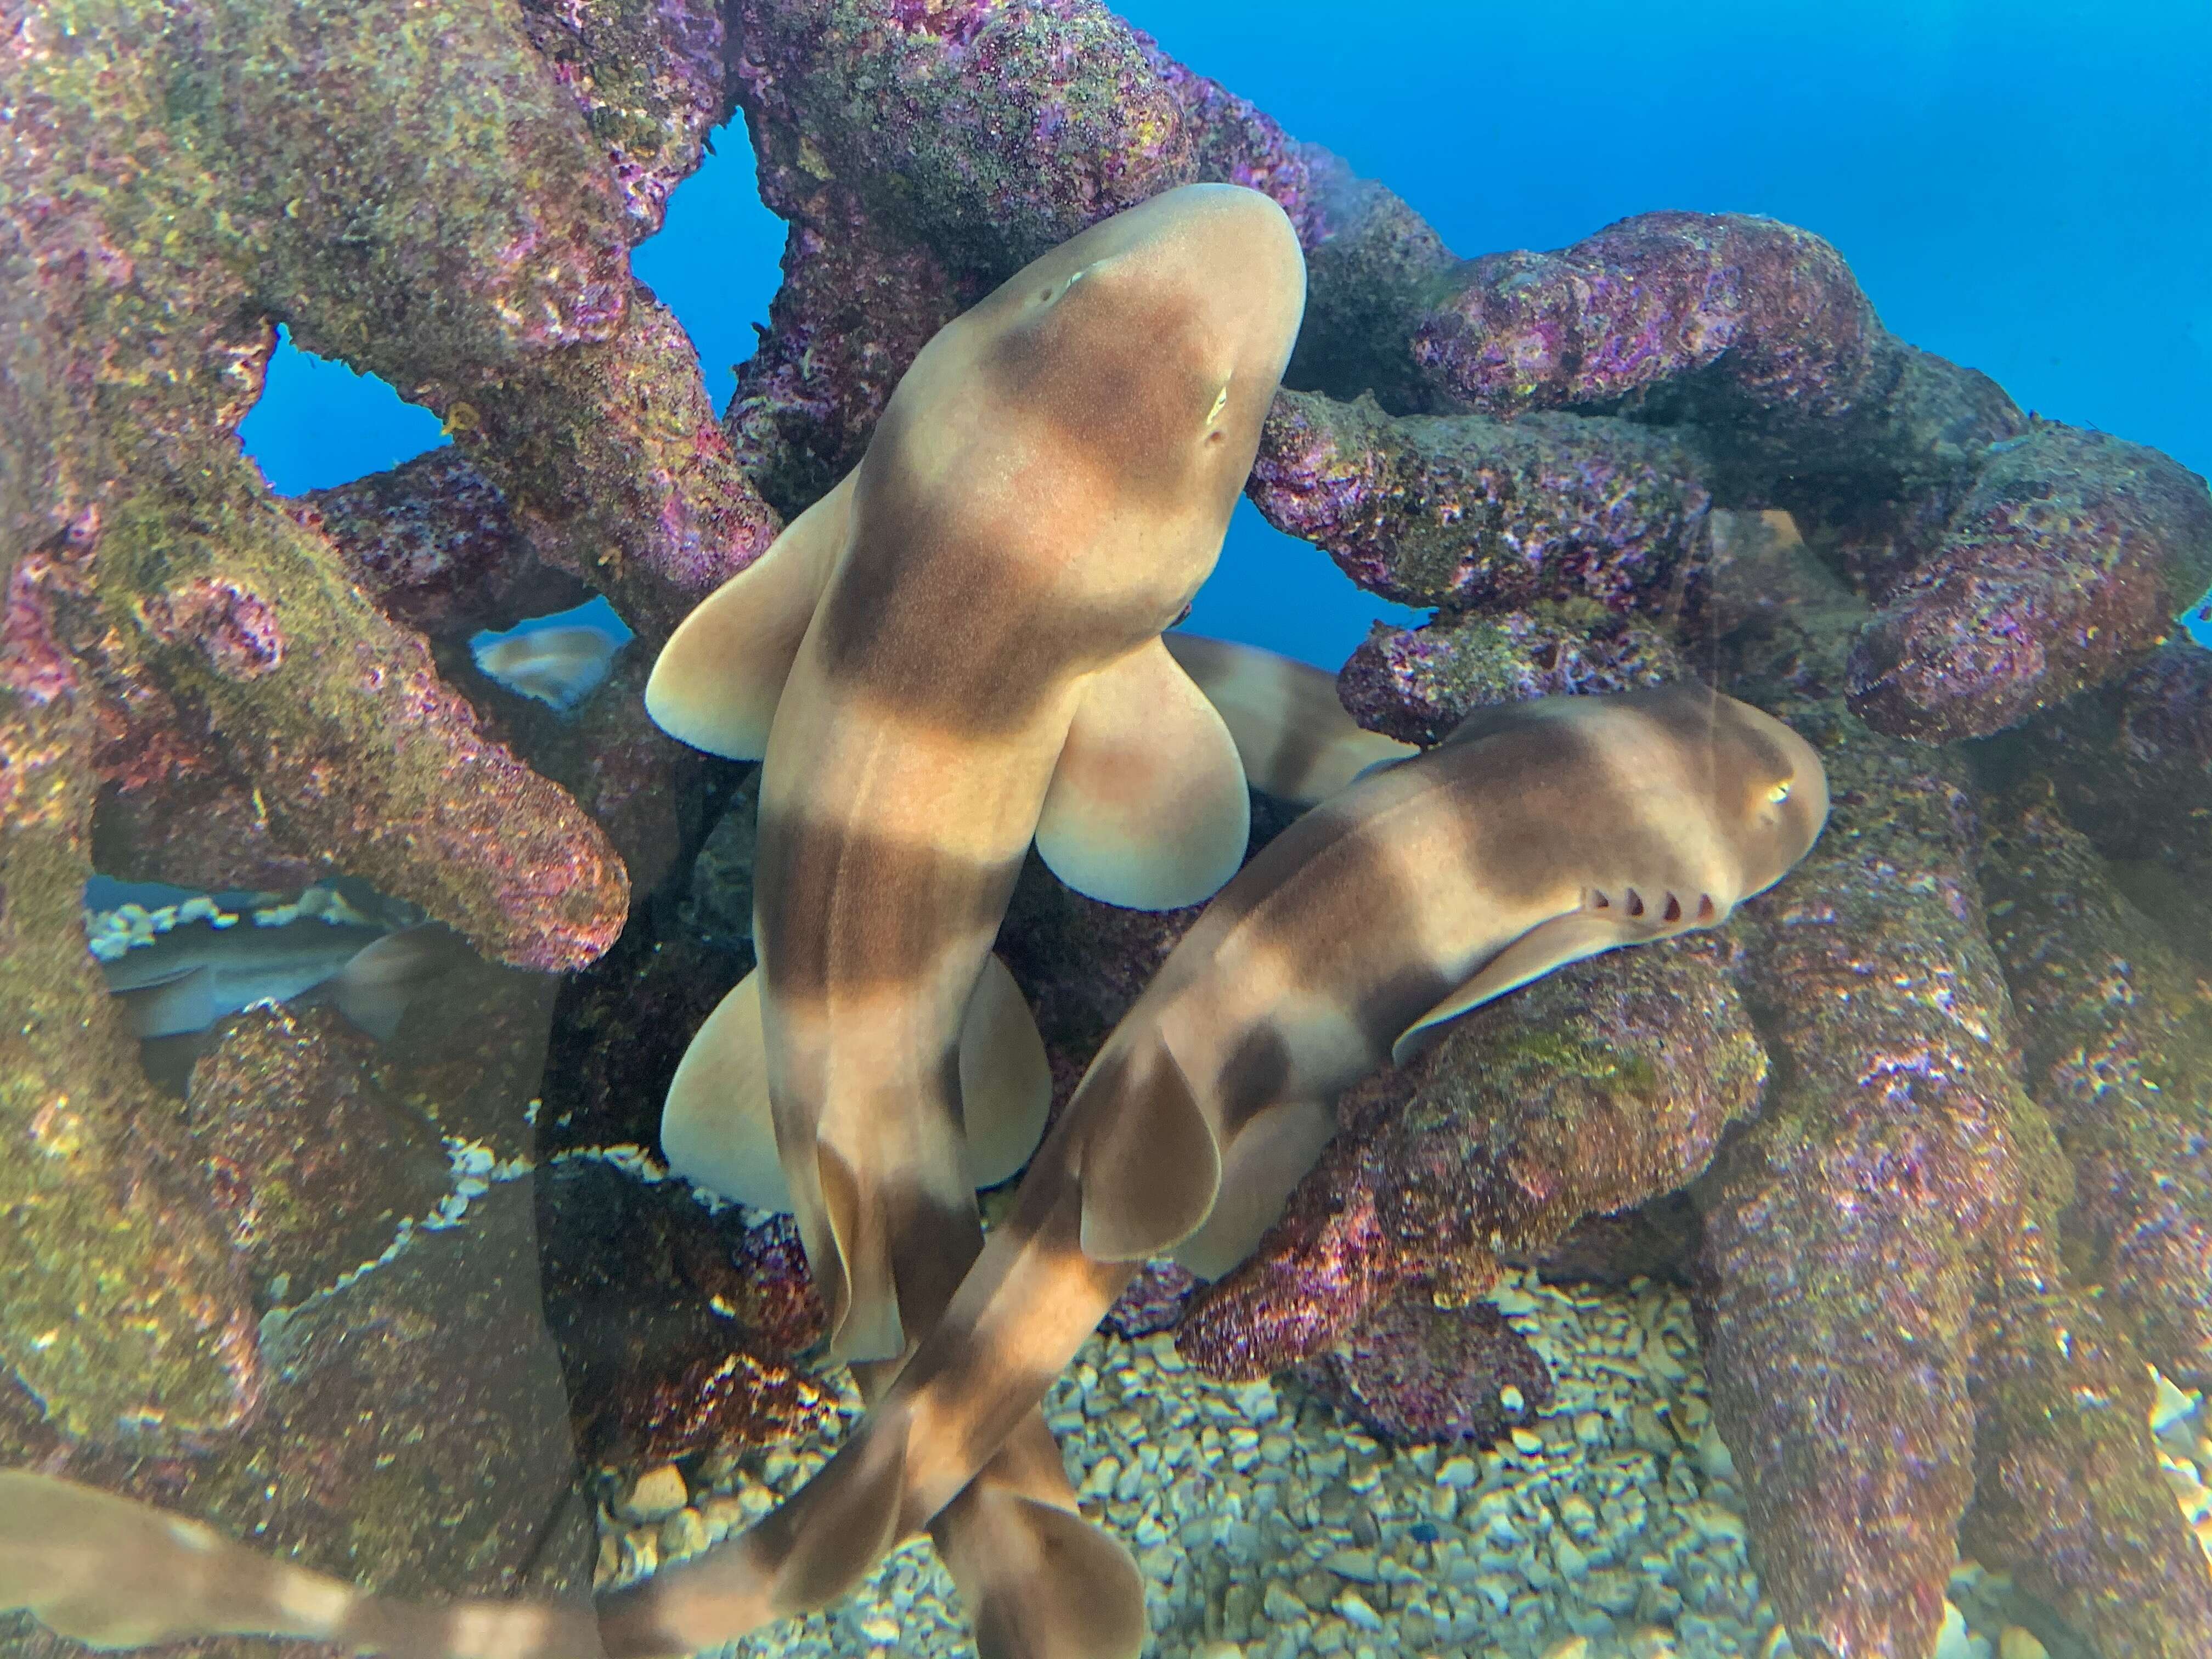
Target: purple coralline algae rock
923,150
648,77
1464,511
1414,1374
1772,309
1601,1086
2133,767
1154,1300
2117,1038
1417,683
673,1341
1878,1292
414,1435
313,1166
2068,562
432,543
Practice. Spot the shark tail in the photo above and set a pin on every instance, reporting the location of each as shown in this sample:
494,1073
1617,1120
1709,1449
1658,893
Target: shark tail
1038,1580
1041,1583
114,1572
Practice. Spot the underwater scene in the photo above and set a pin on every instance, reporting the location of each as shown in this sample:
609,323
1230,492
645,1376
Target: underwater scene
1062,829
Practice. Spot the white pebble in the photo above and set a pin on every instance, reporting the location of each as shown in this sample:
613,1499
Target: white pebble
657,1494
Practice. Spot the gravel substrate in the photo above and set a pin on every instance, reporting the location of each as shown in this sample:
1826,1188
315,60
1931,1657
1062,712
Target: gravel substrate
1267,1527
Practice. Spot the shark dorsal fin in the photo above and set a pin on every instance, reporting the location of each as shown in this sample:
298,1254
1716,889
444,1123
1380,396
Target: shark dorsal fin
1149,1174
1147,808
717,682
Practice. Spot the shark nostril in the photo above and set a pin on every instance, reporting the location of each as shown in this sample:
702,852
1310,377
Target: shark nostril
1635,903
1674,911
1705,908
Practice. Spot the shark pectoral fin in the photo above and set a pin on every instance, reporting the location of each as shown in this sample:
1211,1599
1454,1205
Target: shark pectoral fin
1296,740
1268,1157
717,681
378,980
1547,945
1005,1082
1147,807
716,1130
1149,1174
187,1003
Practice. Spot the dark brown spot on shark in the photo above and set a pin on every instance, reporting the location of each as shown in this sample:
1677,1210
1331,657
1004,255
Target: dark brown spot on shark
1256,1071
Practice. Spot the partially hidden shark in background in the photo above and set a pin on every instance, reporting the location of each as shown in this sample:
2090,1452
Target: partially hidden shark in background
955,653
1292,734
209,963
1538,834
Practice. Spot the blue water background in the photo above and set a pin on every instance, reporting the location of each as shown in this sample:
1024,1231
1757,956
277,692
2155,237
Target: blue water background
2023,188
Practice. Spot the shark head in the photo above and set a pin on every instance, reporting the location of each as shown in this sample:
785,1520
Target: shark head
1097,414
1770,792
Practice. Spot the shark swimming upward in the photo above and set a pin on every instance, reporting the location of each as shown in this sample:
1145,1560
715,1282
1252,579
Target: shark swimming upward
955,653
1536,834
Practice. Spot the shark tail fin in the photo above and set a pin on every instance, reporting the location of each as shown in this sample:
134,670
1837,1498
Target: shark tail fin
1020,1315
718,680
1296,740
112,1572
1147,807
1039,1582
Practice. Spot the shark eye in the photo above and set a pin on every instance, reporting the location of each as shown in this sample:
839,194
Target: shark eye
1220,402
1780,793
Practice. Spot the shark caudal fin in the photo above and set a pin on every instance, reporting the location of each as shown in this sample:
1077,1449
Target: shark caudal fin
1296,740
717,681
1039,1582
1031,1570
115,1573
1147,808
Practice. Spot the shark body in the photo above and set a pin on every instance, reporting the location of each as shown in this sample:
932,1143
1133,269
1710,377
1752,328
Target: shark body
1537,835
954,653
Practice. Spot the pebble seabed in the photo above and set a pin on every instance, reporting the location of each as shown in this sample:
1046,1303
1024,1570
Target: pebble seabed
1268,1527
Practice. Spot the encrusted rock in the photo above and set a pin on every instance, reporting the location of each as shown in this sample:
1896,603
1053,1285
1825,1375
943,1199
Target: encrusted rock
1465,510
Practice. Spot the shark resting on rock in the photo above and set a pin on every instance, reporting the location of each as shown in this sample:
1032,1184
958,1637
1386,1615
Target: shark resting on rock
1538,834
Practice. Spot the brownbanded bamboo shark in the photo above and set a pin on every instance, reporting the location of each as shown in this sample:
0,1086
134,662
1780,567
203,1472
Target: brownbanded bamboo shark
954,653
1538,834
